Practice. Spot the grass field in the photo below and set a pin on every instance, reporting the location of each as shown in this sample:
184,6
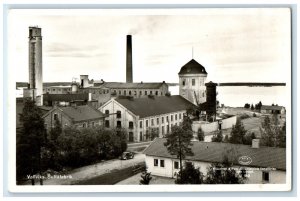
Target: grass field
111,178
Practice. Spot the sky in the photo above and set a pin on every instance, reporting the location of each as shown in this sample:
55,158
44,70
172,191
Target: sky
234,45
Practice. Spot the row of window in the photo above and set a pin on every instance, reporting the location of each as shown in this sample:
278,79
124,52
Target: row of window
59,89
173,117
135,93
193,82
119,124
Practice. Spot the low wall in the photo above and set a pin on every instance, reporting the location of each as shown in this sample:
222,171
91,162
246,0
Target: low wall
210,127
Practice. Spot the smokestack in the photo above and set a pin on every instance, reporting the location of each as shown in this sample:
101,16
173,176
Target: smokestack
129,60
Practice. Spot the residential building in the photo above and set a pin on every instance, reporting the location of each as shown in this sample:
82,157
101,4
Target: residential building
259,164
272,109
79,116
140,116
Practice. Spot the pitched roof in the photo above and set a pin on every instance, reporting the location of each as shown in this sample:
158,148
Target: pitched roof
271,107
192,67
145,107
65,97
123,85
214,152
82,113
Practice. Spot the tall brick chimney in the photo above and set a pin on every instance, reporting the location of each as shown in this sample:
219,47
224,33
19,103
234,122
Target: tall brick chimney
129,60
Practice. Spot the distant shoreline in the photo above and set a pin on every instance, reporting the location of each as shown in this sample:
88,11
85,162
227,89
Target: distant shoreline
246,84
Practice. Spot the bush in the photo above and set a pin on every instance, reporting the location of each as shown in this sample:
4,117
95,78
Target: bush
254,114
244,116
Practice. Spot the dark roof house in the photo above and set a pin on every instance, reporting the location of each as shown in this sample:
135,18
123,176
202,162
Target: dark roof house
79,113
151,106
213,152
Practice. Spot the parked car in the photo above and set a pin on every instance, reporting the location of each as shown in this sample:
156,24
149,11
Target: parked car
127,155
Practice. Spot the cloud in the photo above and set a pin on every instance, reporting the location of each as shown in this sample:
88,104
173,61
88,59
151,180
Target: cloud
67,50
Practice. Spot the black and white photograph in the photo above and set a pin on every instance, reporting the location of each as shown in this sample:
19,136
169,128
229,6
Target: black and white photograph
150,100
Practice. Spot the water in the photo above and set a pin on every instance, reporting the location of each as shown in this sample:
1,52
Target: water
239,95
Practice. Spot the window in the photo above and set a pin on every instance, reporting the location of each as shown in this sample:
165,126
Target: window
83,125
162,120
129,93
141,124
168,128
152,122
55,116
157,121
145,92
171,117
146,123
120,92
176,165
265,176
167,118
155,162
53,89
183,82
119,125
140,93
175,117
156,93
150,92
107,112
93,124
162,163
124,93
107,123
141,136
162,130
118,114
130,125
180,116
193,82
135,93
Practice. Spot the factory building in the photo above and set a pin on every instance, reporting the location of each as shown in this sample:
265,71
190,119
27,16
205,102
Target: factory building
142,116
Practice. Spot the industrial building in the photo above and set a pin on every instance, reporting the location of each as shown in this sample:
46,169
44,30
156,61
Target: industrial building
140,115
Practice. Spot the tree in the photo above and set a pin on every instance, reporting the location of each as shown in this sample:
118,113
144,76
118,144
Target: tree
218,136
248,138
179,143
247,106
223,173
146,178
52,145
200,135
189,175
282,137
187,123
154,132
271,132
252,107
237,133
31,139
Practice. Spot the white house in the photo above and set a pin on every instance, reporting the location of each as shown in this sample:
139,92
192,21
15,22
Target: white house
140,115
260,164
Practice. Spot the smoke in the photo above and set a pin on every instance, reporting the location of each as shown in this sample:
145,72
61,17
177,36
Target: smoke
133,31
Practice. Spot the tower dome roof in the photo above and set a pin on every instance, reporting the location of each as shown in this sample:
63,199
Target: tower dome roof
192,67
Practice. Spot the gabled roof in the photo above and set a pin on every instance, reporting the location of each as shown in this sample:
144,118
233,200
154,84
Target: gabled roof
124,85
66,97
213,152
146,107
192,67
271,107
81,113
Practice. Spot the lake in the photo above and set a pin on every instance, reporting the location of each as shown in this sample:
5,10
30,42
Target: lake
237,96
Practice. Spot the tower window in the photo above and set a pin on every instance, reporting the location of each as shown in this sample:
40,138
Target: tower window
183,82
